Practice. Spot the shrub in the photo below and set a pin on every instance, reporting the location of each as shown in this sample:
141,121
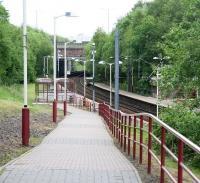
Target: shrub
183,119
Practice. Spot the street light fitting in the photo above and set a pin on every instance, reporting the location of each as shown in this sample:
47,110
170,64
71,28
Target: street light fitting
161,58
77,60
67,14
156,58
101,62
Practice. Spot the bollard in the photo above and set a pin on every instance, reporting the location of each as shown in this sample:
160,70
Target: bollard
65,107
25,126
54,111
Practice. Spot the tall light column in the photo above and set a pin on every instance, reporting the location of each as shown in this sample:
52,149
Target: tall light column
110,64
93,79
157,93
25,109
67,14
84,78
54,75
110,84
44,66
116,69
161,58
84,75
48,65
65,82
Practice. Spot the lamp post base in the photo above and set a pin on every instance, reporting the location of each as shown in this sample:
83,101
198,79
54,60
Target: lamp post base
65,107
54,111
25,126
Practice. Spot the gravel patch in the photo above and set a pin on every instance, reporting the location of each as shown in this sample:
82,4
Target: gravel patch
10,132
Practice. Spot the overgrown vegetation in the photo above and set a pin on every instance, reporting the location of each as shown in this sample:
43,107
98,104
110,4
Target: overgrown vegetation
11,59
185,118
157,29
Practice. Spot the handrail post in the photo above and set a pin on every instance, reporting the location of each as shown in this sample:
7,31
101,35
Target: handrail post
100,109
129,134
141,138
162,172
149,145
134,137
117,124
122,126
125,122
110,119
180,160
119,131
114,124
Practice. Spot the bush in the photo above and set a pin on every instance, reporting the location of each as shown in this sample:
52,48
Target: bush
184,120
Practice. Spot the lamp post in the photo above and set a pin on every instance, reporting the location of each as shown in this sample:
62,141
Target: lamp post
25,109
48,64
110,66
84,90
65,82
84,76
93,78
44,63
67,14
158,75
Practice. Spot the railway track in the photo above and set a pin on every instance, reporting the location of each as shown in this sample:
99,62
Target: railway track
127,104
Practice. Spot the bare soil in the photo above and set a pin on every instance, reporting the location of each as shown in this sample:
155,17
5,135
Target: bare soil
10,131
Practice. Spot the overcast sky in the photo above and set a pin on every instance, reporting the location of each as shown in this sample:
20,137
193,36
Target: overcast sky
92,14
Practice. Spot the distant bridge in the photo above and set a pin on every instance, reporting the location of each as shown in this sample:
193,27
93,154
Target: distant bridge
73,51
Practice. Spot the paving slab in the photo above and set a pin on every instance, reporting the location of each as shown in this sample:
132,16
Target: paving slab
79,150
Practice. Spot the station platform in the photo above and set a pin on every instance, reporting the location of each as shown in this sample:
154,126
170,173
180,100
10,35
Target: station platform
79,150
150,100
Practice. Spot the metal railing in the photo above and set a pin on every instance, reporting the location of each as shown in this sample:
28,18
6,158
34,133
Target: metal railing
83,103
129,131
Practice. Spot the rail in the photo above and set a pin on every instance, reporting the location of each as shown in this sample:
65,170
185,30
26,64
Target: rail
126,128
83,103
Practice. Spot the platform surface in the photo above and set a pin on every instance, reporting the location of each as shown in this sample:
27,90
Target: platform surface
79,150
150,100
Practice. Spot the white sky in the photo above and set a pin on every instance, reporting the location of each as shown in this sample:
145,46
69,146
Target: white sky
92,14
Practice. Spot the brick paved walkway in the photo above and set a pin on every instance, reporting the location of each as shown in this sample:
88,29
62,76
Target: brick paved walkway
78,150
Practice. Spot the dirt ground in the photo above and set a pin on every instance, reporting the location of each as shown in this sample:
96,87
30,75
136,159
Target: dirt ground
10,132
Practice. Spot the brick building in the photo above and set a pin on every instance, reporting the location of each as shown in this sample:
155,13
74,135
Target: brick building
73,51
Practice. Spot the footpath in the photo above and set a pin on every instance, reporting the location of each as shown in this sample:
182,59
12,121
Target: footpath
79,150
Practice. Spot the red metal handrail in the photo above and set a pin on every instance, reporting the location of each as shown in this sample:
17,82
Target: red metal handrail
120,125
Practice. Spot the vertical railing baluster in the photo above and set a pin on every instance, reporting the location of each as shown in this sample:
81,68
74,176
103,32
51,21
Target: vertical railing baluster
134,137
122,126
129,134
117,124
141,139
114,122
180,160
119,132
162,159
110,119
125,122
149,145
